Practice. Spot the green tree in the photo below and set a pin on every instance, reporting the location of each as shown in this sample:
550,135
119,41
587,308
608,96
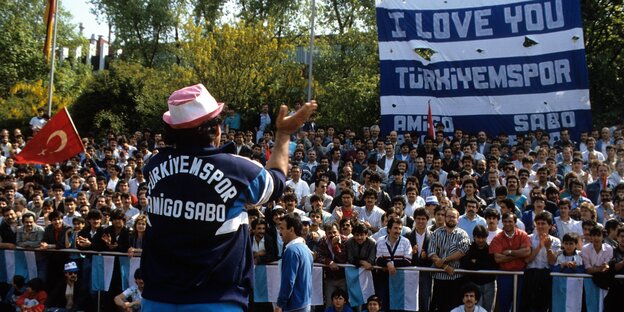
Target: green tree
143,29
346,67
604,43
243,65
126,97
23,68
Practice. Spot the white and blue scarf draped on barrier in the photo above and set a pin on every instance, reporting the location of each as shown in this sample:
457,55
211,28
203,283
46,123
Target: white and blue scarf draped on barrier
24,263
359,284
594,296
404,290
496,65
17,262
102,271
267,279
567,292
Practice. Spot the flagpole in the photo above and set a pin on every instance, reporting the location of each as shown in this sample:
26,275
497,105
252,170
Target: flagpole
52,58
311,49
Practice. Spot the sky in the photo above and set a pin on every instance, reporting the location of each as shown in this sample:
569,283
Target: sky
80,12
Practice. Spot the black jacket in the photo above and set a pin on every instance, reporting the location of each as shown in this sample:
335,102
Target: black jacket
57,299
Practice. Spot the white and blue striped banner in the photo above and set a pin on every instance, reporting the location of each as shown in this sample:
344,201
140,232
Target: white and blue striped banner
266,283
493,65
567,294
359,284
17,262
267,280
594,296
317,285
127,267
404,290
101,272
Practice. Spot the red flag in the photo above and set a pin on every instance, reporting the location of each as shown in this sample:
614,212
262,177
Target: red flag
48,19
267,151
57,141
430,128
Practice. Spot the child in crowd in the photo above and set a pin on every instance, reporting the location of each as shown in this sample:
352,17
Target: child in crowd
33,300
340,302
130,299
373,304
569,260
18,287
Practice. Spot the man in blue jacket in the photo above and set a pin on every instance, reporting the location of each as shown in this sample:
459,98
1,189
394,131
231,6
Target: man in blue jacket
296,286
197,251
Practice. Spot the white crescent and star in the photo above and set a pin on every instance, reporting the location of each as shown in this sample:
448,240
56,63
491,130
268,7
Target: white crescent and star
62,135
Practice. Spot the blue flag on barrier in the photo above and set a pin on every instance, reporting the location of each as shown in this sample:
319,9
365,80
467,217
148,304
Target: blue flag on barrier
101,272
359,284
267,279
17,262
404,290
594,296
567,294
266,283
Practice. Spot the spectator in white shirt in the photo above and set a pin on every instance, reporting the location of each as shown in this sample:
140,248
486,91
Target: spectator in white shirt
301,188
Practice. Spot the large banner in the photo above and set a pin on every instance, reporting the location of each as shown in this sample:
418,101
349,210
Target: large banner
510,66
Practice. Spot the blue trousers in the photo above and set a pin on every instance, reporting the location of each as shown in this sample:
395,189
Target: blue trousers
504,298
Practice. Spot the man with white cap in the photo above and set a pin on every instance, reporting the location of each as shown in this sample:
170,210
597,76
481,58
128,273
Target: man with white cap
70,294
197,253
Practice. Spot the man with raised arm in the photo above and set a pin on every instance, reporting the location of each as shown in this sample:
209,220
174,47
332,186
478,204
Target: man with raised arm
197,252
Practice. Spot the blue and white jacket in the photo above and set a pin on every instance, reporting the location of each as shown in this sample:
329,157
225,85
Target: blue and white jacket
197,247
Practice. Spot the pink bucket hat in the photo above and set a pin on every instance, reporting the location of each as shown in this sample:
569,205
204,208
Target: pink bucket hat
191,106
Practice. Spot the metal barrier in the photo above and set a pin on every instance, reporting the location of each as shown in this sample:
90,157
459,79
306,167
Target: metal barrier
515,274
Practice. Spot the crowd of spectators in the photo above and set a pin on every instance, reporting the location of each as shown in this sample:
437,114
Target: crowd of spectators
454,201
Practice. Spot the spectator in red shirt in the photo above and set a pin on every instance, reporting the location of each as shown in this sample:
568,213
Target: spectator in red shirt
510,247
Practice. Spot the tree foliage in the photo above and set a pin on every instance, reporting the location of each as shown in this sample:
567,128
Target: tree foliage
127,96
243,65
142,28
23,68
347,67
245,61
604,43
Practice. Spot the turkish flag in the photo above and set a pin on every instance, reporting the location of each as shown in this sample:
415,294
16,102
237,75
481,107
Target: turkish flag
57,141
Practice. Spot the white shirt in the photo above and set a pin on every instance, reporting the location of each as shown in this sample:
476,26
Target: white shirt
388,165
37,123
461,308
302,189
541,260
591,258
420,239
409,208
131,215
258,246
67,219
133,186
112,184
598,154
491,235
615,178
373,217
570,226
